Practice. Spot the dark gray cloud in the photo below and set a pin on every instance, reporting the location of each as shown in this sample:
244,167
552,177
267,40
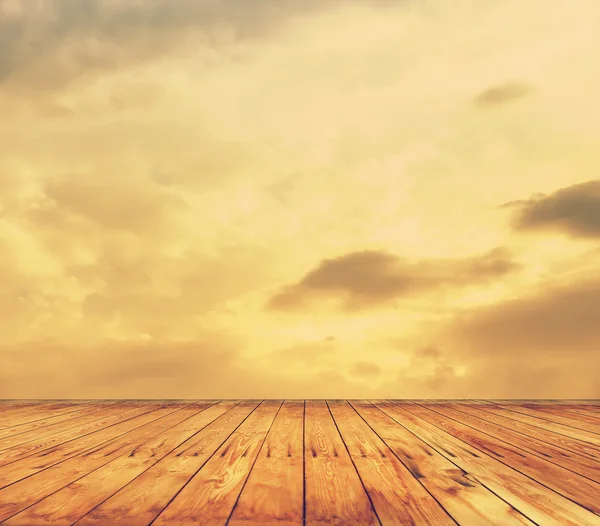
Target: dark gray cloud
45,44
371,278
502,94
574,210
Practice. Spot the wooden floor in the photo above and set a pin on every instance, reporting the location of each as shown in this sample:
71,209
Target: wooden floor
294,462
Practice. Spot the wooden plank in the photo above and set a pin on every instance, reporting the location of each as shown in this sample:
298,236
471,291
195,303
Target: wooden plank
141,501
211,494
568,444
583,410
68,437
274,492
463,497
11,473
580,465
8,406
135,462
551,424
593,405
396,494
55,421
26,492
579,489
558,405
81,495
12,407
42,428
566,408
534,500
18,402
592,422
45,412
334,492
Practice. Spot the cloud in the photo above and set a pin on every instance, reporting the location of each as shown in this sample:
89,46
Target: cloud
367,370
115,369
165,165
307,354
434,367
559,320
473,367
542,344
373,277
428,352
108,203
573,210
502,94
537,345
506,378
212,366
48,44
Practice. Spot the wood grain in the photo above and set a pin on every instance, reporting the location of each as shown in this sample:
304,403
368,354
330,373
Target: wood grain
62,425
466,500
534,500
210,495
297,462
555,455
28,490
57,422
135,455
567,483
145,497
69,440
334,491
550,423
576,419
274,492
395,491
581,449
38,412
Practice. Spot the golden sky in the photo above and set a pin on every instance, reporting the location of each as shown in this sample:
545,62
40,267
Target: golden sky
300,199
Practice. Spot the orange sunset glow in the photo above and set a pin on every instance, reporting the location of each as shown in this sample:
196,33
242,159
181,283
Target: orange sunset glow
299,199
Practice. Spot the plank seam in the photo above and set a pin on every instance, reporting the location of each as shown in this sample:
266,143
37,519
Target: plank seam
449,459
544,430
82,436
159,460
354,464
400,460
99,467
304,465
203,464
512,467
253,463
526,437
507,408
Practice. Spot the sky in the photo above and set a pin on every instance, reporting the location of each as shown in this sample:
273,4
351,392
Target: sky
299,199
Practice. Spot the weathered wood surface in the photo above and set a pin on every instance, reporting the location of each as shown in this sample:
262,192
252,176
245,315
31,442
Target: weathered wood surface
296,462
